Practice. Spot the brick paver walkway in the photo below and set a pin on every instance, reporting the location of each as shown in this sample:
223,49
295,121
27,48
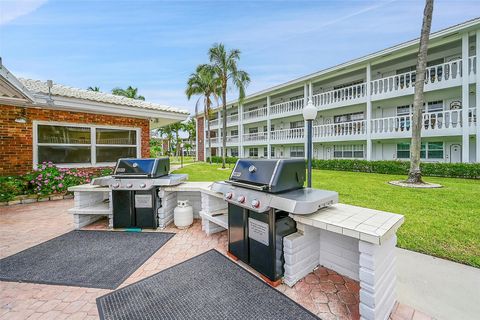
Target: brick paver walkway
323,292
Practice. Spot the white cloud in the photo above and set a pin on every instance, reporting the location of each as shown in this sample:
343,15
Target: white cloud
12,9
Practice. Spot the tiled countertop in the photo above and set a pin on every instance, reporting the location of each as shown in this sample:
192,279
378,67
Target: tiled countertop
369,225
194,186
89,187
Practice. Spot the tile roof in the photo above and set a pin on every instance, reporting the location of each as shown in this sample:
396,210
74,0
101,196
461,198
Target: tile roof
37,86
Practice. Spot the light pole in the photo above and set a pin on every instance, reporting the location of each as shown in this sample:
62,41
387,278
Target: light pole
309,114
181,154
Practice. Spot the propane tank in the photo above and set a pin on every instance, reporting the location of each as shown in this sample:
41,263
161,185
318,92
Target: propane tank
183,215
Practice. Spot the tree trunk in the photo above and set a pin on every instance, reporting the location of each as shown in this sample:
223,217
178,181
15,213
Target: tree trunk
415,174
207,116
224,120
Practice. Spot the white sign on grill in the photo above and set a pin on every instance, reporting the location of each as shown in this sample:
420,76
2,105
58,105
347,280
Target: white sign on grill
143,201
258,231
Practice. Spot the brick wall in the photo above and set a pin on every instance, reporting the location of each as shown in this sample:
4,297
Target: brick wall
201,142
16,140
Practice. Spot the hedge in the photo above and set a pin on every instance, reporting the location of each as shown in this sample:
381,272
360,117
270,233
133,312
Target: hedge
438,169
217,159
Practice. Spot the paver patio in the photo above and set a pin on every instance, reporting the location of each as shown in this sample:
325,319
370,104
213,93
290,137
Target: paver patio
323,291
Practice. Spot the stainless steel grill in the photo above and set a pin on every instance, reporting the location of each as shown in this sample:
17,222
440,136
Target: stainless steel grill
261,194
135,185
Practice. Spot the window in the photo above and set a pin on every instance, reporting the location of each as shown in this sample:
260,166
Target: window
428,150
272,152
73,145
253,152
265,128
252,130
297,124
297,152
348,151
234,152
234,133
265,152
348,117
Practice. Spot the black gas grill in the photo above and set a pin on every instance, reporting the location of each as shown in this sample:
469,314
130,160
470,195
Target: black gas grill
135,185
261,194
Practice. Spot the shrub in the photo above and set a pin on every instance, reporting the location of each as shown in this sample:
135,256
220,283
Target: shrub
217,159
439,169
11,187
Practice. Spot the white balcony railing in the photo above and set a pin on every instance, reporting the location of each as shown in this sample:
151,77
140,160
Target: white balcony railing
232,139
345,129
472,65
349,94
214,122
287,134
232,118
435,75
432,121
254,114
286,107
259,136
213,140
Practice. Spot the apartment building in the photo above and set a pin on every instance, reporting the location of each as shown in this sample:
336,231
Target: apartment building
365,107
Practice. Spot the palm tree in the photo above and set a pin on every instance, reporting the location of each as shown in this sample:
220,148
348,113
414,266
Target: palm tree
130,92
415,174
225,66
190,128
204,83
176,127
96,89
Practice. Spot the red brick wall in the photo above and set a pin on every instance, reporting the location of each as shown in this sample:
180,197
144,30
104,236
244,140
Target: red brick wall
16,140
200,136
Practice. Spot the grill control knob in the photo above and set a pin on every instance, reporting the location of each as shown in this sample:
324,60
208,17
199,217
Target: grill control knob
129,185
115,185
241,199
255,203
229,195
142,185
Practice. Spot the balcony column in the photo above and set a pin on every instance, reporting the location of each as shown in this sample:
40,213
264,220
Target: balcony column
240,130
269,123
477,95
219,133
465,101
369,113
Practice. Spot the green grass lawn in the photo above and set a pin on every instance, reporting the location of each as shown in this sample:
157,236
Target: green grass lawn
177,160
441,222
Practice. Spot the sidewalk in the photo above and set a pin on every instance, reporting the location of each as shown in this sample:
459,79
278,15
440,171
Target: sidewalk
443,289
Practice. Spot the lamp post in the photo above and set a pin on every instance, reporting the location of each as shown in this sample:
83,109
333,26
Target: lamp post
181,154
309,114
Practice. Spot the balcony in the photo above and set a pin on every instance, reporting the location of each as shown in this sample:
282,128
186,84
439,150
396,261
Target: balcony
255,138
434,124
341,97
288,135
232,119
213,123
286,108
440,76
354,130
255,115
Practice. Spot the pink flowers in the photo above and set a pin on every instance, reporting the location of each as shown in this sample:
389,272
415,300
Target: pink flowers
60,185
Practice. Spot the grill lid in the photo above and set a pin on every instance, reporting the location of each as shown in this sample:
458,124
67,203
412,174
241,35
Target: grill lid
147,168
269,175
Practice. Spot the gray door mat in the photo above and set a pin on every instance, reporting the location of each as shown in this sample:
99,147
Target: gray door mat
208,286
95,259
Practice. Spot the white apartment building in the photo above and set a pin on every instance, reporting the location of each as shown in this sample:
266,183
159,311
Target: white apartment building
364,107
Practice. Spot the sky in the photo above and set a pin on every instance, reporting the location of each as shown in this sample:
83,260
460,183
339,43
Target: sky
156,45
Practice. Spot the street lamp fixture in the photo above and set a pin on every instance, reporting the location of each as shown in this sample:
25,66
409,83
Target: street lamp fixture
309,114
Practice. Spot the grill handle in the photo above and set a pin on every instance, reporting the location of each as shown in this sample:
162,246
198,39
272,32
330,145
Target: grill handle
248,186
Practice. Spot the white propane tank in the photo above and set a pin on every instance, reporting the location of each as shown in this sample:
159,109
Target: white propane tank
183,215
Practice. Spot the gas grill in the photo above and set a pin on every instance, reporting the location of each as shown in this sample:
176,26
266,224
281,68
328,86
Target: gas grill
135,185
261,194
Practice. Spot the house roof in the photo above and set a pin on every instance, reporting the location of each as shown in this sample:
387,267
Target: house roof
41,87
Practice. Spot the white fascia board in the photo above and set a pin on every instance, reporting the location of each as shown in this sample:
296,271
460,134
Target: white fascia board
80,105
387,53
15,83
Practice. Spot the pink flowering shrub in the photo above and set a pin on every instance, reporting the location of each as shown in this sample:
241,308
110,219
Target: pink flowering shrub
49,179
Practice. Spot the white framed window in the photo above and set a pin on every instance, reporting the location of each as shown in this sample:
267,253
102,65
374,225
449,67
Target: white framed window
253,152
234,152
297,152
83,145
428,150
349,151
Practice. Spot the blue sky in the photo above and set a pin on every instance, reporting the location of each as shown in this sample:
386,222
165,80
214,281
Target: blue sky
155,45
